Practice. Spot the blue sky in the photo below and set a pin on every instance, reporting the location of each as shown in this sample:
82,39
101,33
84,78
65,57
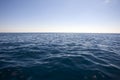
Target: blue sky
60,16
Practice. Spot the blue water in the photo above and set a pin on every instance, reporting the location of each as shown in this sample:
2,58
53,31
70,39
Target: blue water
59,56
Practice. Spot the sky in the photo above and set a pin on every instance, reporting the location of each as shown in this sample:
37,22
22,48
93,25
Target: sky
87,16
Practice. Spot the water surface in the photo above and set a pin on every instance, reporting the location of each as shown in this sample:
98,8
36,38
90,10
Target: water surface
59,56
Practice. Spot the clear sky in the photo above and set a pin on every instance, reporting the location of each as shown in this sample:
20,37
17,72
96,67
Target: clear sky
60,16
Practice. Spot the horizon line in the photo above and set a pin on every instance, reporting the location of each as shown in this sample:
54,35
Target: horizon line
68,32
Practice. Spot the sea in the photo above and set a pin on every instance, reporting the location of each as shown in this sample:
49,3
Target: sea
59,56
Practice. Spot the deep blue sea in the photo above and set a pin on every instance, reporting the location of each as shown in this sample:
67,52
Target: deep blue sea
59,56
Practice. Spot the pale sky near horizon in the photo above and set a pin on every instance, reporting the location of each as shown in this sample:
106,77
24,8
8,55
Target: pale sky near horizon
99,16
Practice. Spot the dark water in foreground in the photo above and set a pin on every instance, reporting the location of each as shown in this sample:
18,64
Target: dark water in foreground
54,56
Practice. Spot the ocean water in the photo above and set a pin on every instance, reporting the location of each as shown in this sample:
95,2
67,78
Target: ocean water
59,56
